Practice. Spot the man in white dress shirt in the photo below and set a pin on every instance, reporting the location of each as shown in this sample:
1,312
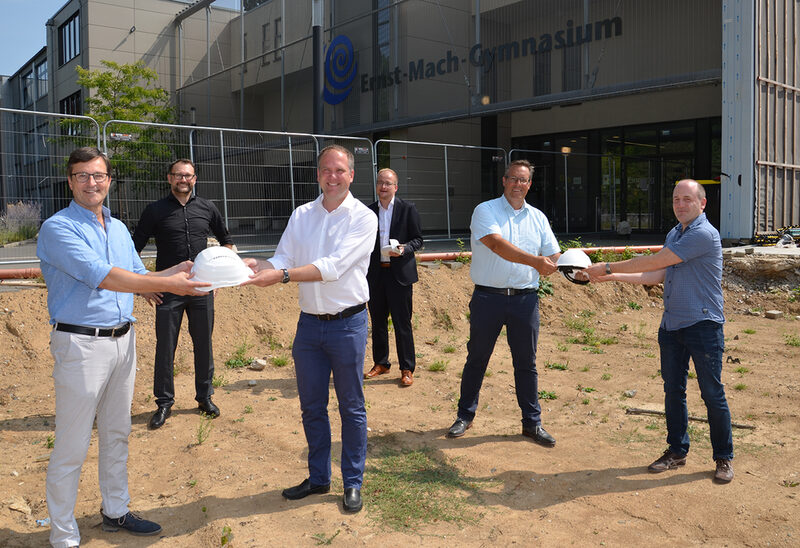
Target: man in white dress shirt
326,248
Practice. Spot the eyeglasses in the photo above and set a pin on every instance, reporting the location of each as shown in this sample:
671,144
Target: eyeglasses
385,183
83,177
183,176
513,180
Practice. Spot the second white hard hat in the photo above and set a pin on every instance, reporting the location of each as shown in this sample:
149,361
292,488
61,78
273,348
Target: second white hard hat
571,261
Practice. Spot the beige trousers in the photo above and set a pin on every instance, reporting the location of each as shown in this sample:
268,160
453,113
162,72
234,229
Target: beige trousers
93,377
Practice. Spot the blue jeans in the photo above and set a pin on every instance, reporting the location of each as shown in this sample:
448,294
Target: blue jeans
704,342
321,348
488,314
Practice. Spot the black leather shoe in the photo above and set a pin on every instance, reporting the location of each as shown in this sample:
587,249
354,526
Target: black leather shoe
351,500
304,489
539,435
159,417
208,407
459,428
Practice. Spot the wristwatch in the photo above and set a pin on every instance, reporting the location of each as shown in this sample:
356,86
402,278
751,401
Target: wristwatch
285,279
608,268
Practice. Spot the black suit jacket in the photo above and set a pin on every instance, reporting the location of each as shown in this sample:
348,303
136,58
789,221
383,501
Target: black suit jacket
405,228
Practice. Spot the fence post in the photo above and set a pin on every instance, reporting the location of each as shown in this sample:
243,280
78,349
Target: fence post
447,191
224,182
291,173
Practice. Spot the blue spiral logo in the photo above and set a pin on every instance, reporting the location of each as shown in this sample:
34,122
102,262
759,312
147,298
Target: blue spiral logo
340,70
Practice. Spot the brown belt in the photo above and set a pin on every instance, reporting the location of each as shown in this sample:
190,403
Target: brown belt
386,265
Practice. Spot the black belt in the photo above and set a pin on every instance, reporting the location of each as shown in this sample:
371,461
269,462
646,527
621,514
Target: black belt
118,331
346,313
505,290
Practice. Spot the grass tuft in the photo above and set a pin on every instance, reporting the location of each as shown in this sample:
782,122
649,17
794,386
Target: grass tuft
409,488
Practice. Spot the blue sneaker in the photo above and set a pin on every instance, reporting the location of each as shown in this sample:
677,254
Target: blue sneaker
131,523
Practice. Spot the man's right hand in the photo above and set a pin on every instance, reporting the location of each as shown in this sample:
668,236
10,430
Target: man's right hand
545,266
182,284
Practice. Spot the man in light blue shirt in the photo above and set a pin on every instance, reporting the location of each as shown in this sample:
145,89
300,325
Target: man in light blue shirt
91,269
690,267
512,245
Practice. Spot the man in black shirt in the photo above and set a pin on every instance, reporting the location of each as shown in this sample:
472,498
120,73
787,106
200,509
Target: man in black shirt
181,224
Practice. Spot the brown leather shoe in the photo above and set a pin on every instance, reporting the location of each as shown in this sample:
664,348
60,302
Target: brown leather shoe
376,370
667,461
724,473
407,378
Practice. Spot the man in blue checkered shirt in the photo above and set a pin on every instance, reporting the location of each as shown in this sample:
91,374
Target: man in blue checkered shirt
690,267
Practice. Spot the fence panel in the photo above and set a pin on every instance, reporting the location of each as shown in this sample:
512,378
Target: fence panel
34,147
445,181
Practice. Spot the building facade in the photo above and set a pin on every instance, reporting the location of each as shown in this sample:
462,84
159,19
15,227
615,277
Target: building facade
612,100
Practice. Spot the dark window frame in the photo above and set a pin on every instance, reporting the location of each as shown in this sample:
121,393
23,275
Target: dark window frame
69,39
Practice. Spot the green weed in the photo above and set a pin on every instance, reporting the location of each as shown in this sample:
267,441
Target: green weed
438,365
239,357
792,340
547,395
279,361
204,428
557,366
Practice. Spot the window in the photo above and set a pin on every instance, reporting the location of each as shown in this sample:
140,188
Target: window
69,39
71,105
264,43
541,73
27,89
381,96
41,77
278,40
571,75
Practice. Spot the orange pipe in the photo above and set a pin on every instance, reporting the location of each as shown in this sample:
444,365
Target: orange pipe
19,273
622,248
451,256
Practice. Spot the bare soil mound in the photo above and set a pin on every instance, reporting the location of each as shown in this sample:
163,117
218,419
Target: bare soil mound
598,356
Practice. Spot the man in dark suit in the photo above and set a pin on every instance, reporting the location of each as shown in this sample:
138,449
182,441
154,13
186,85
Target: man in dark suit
390,276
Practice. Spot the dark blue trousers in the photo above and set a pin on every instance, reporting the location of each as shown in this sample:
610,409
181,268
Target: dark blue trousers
322,348
489,312
704,343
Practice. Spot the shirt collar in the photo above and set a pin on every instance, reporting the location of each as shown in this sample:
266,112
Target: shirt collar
507,205
348,203
698,221
81,211
174,199
391,205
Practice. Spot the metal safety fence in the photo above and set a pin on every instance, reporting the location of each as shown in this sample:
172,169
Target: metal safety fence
445,181
256,178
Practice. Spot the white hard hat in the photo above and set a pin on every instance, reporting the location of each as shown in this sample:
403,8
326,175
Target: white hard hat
571,261
221,267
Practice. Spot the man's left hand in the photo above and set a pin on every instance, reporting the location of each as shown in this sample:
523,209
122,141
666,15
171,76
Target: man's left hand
400,250
152,298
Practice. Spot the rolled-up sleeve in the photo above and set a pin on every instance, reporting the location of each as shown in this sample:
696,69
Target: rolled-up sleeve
355,244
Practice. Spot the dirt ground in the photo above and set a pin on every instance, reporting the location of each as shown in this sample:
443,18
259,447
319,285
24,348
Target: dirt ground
592,488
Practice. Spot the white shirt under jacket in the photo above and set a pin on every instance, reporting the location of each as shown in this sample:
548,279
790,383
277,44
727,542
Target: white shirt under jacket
339,244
